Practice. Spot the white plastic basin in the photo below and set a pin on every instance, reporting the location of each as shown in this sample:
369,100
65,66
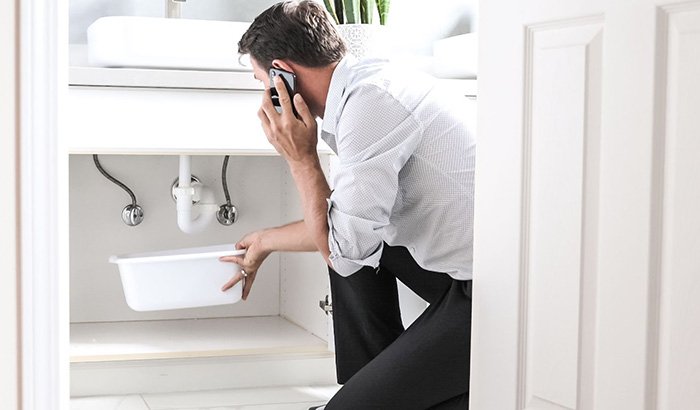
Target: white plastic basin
177,279
153,42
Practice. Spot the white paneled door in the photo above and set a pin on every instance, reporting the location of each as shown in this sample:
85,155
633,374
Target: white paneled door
587,223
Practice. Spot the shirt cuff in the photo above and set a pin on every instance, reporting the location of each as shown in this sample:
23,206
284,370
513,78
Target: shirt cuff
345,266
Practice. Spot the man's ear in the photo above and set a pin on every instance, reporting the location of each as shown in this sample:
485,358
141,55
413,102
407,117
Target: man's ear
283,65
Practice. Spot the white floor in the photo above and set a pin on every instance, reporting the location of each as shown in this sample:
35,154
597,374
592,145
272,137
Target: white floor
269,398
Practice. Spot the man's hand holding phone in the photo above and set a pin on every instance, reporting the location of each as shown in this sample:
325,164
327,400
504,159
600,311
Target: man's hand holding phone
293,136
290,81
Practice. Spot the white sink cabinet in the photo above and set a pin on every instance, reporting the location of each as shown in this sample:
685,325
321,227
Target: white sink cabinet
143,118
137,111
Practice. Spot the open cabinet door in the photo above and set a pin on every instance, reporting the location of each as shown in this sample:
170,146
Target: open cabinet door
587,230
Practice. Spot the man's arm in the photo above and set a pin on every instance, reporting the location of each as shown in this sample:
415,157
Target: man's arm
314,190
295,139
260,244
293,237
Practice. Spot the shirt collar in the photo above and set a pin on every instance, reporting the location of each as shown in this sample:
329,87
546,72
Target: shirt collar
336,90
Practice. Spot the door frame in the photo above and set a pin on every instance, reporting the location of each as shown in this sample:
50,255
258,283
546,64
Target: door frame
43,197
9,213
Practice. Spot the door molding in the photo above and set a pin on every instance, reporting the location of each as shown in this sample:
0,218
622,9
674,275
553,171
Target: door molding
674,22
565,141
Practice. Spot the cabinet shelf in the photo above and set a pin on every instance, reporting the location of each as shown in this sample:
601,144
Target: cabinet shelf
191,338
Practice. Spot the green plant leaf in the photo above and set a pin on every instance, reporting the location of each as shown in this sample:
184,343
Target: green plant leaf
340,11
331,10
352,10
383,9
366,11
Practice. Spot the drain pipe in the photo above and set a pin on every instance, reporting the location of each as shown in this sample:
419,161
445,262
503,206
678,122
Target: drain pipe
186,193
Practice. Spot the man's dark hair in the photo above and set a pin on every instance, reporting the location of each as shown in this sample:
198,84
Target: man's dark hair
300,31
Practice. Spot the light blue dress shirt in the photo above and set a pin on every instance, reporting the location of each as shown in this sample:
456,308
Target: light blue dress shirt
405,169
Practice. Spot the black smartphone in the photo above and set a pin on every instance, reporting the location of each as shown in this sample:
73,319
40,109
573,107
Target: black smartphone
290,81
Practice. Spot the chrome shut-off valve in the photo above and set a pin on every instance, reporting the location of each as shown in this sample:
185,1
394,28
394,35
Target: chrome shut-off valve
227,214
132,214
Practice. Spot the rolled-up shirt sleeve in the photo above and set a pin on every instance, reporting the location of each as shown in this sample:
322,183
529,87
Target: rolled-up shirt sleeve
376,136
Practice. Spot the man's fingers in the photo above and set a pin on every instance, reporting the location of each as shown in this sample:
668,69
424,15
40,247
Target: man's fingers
247,285
233,259
303,110
268,108
264,120
285,101
231,283
266,126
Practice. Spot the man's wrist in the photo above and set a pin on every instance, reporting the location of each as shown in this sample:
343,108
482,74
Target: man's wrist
307,165
266,240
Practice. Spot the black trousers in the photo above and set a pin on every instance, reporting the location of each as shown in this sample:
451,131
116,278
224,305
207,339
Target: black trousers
383,366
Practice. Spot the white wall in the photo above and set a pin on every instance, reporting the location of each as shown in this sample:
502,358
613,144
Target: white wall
414,24
84,12
9,315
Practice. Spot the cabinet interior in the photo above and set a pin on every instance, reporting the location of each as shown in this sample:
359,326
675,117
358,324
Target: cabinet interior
280,317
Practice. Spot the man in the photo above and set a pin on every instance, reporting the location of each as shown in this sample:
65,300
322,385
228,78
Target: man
402,207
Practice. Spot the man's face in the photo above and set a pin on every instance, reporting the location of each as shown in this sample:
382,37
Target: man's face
260,73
